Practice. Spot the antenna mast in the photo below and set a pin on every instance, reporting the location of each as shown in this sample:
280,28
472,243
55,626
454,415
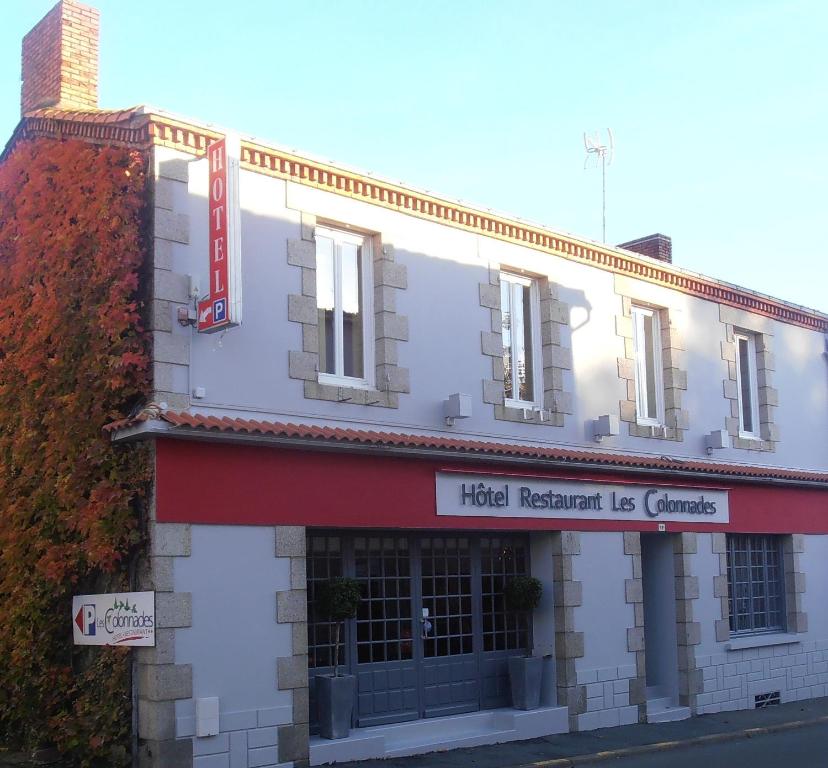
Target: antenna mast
604,150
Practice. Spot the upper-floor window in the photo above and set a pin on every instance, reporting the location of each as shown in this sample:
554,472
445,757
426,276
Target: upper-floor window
755,582
520,308
649,388
343,292
746,385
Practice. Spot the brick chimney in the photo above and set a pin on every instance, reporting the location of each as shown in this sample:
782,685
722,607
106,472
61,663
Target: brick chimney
655,246
60,59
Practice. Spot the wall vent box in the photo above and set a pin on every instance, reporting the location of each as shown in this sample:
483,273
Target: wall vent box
718,438
458,406
207,716
607,425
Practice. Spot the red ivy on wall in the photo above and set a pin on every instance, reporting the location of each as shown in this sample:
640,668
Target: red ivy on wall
73,356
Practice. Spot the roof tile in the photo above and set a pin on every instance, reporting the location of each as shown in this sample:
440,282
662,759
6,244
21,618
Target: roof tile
311,432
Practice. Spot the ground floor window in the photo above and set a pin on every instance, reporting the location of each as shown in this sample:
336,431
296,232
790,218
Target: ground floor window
432,635
756,584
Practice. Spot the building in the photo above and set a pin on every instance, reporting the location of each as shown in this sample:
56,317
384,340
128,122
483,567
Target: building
432,398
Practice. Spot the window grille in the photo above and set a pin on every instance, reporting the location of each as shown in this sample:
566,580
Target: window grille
755,583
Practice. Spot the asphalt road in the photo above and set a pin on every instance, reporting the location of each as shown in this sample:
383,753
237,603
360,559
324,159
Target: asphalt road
798,748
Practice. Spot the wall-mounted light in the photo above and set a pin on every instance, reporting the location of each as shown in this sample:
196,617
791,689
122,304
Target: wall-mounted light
716,439
605,426
458,406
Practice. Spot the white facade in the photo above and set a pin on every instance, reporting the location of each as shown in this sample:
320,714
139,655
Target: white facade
632,626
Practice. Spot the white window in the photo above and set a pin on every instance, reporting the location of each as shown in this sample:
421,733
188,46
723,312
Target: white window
343,298
746,385
649,387
520,309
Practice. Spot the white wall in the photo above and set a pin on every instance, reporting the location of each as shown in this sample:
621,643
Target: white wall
245,371
234,639
604,616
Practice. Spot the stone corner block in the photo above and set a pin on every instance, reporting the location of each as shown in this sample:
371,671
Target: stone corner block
169,753
290,541
301,708
292,672
174,168
170,539
156,719
390,273
173,609
634,590
301,253
493,392
294,743
570,542
302,309
635,638
489,296
686,543
797,622
632,543
291,606
172,226
165,682
303,365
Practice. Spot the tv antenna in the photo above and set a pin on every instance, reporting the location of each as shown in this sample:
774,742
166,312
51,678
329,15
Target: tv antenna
603,151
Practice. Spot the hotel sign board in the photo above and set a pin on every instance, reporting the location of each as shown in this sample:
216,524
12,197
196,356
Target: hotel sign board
531,497
123,618
221,308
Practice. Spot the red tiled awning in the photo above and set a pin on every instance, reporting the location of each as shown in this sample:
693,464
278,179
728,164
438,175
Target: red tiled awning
183,423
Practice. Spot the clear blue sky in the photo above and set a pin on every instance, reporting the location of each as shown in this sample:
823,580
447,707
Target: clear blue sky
719,109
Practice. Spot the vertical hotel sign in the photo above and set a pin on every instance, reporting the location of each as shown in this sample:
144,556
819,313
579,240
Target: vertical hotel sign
221,308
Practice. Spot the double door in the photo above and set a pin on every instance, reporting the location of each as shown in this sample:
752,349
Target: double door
432,635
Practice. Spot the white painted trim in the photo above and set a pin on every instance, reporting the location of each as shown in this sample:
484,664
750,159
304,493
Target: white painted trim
753,387
762,641
364,243
641,403
534,317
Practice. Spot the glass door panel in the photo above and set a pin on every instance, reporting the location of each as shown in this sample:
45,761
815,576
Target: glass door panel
385,665
450,674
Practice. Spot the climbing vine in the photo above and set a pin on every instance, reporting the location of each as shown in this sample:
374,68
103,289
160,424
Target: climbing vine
73,357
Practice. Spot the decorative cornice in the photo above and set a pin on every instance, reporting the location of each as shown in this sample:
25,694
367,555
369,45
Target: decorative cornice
139,128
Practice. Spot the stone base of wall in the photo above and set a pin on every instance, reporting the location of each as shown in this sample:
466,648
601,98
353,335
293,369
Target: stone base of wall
731,680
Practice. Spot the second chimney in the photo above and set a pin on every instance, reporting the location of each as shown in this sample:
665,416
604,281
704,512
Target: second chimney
655,246
60,59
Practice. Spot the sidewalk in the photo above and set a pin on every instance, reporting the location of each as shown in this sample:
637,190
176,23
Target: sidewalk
571,749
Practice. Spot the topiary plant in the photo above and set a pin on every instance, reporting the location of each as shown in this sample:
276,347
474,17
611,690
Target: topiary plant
522,594
338,600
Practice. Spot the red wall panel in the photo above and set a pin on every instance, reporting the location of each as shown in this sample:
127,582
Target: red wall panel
202,482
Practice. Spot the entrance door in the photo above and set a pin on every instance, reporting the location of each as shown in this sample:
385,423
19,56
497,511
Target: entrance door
450,666
660,641
385,655
432,636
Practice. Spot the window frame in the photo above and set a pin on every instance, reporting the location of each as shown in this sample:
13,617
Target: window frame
365,243
638,313
761,544
753,385
524,281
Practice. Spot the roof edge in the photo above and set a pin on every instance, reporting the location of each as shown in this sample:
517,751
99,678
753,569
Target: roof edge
153,422
144,126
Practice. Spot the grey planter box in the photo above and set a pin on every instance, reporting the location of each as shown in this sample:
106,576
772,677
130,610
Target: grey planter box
335,698
525,674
